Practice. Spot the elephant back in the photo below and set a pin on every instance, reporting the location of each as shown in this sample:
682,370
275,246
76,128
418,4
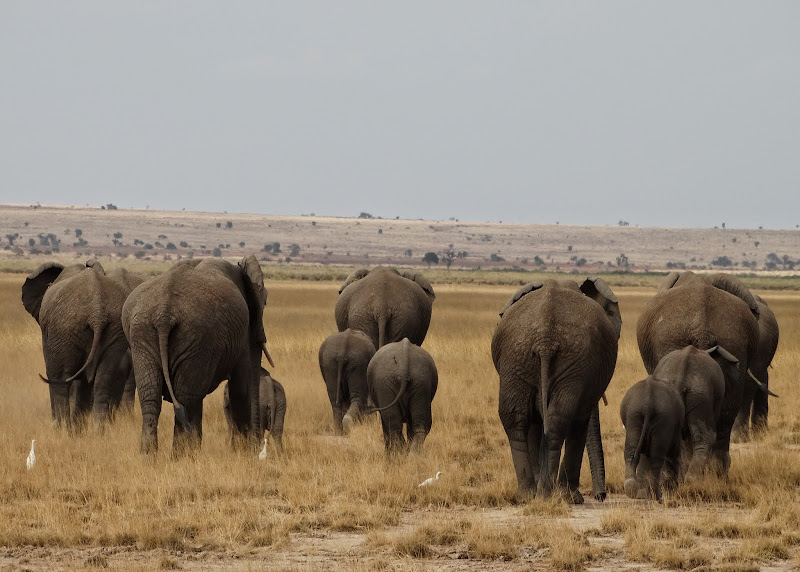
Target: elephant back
386,305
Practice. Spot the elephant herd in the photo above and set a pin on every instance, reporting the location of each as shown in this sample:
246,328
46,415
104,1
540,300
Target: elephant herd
706,343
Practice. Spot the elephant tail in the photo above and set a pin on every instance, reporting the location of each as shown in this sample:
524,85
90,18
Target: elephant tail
97,330
544,359
381,332
180,411
645,425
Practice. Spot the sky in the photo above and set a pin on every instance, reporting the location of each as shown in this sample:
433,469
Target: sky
656,113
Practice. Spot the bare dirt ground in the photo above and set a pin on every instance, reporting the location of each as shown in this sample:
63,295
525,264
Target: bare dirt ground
148,235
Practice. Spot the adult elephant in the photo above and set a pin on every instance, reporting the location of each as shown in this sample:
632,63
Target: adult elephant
704,312
555,350
753,411
199,323
78,309
386,305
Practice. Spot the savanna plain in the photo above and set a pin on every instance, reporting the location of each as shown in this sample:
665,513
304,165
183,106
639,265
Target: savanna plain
93,502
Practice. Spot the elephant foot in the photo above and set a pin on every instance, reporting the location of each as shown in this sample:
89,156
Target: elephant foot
631,488
522,496
347,424
600,496
575,497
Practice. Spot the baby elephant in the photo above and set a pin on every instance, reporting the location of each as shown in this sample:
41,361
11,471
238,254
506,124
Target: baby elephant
271,414
652,414
402,382
343,360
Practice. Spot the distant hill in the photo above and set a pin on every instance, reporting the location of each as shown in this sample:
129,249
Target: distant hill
41,232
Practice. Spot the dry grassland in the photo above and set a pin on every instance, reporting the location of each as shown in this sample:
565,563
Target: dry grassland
92,502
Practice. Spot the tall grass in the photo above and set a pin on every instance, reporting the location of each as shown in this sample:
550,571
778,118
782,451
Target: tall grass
95,490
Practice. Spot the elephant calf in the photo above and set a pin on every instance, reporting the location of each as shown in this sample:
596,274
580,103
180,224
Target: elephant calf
343,361
652,414
699,376
402,380
270,414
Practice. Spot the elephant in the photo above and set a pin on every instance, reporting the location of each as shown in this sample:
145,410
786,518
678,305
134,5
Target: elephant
87,361
402,380
555,350
343,360
386,305
271,415
190,328
753,411
704,312
699,377
652,414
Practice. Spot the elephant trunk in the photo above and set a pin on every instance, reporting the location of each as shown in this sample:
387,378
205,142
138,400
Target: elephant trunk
594,448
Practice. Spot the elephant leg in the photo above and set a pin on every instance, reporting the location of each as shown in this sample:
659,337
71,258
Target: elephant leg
338,418
550,454
239,411
760,405
108,387
420,424
633,430
392,423
644,477
741,425
80,404
129,389
59,403
594,451
570,470
669,474
516,418
702,435
656,464
183,441
280,413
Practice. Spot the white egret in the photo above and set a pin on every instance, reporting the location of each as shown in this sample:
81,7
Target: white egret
31,460
430,481
263,454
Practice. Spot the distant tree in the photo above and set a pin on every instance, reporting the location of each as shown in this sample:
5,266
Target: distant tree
430,258
229,224
184,244
31,242
622,261
537,260
111,206
722,261
171,246
217,252
78,233
117,235
219,224
12,237
569,247
462,255
408,253
448,255
241,244
365,215
494,257
294,250
276,247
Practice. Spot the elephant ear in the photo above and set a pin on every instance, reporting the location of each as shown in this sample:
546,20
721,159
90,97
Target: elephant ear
357,275
96,266
36,284
527,289
422,281
596,289
734,286
669,281
256,295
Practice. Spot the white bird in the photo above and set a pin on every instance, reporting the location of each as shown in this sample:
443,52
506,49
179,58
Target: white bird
430,481
263,454
31,460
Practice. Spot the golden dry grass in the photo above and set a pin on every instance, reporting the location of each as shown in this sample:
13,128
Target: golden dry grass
95,493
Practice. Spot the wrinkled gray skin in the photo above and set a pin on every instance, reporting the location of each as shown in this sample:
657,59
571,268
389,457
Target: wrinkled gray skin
704,311
699,377
652,413
402,380
386,305
555,350
754,409
343,361
271,415
190,328
86,354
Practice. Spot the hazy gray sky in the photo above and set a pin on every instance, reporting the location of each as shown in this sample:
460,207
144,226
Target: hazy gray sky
658,113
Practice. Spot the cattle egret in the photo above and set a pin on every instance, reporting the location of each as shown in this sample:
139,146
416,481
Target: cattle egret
430,481
263,454
31,460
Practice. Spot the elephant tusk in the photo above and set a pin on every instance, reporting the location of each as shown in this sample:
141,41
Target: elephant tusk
266,353
605,400
56,382
760,384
